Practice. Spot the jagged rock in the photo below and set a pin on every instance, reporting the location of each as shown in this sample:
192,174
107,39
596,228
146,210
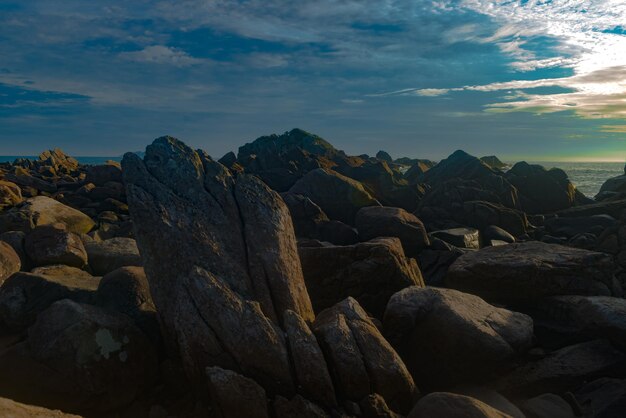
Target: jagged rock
530,270
53,244
99,175
235,396
374,406
380,221
230,244
541,190
451,405
43,210
483,214
426,324
109,255
79,358
23,296
311,371
10,194
459,237
9,261
369,271
547,405
383,155
603,398
340,197
297,407
12,409
566,369
361,361
493,162
58,160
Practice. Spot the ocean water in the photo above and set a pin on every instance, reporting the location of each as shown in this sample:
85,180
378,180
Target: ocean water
588,177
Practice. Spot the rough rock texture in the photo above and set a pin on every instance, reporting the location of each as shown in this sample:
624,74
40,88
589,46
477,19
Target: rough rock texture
361,361
340,197
459,237
566,369
229,244
603,398
451,405
235,395
530,270
24,296
9,261
79,358
381,221
100,175
53,244
370,272
447,337
547,405
374,406
107,256
297,407
12,409
43,210
10,194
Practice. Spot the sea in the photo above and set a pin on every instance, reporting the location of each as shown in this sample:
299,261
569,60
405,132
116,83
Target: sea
587,177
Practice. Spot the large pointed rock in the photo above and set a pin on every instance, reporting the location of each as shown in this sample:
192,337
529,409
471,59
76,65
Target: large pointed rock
220,255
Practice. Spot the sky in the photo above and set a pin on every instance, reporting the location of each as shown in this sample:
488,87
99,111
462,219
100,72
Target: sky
527,79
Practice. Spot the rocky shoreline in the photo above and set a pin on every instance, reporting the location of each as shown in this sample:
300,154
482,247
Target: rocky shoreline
293,280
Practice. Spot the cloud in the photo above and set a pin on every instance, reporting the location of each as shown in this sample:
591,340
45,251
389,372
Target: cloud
160,54
616,129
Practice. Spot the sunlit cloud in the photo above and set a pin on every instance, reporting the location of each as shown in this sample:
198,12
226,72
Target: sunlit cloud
615,129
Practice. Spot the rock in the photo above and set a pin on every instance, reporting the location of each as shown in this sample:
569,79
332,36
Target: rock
12,409
481,215
235,396
361,361
53,244
297,407
370,272
43,210
311,371
547,405
451,405
541,190
493,399
10,194
25,180
79,358
228,159
566,369
425,324
102,174
62,271
569,227
459,237
340,197
24,296
493,232
611,207
125,290
16,240
58,160
603,398
230,244
527,271
379,221
9,261
111,254
493,162
613,186
374,406
435,261
577,318
382,155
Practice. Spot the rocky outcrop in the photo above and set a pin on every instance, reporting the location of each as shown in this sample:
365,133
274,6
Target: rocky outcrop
493,162
531,270
451,405
235,395
370,272
12,409
54,244
340,197
109,255
426,324
100,175
380,221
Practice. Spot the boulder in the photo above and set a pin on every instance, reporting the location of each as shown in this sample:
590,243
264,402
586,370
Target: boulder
297,407
43,210
374,406
527,271
383,155
495,233
571,226
547,405
361,361
62,271
426,325
451,405
79,358
25,295
369,271
10,194
102,174
9,261
229,242
380,221
26,181
340,197
612,187
53,244
234,395
16,240
481,215
12,409
111,254
603,398
459,237
566,369
434,262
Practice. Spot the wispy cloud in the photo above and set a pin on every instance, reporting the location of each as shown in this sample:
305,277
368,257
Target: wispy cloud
161,54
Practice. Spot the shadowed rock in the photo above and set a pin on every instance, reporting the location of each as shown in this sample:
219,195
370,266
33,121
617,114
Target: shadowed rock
451,405
9,261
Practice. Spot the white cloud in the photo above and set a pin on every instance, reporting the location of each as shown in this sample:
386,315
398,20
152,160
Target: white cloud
160,54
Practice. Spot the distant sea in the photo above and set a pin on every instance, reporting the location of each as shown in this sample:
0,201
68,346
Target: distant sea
588,177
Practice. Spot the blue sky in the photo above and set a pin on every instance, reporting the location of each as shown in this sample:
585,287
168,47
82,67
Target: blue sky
536,80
